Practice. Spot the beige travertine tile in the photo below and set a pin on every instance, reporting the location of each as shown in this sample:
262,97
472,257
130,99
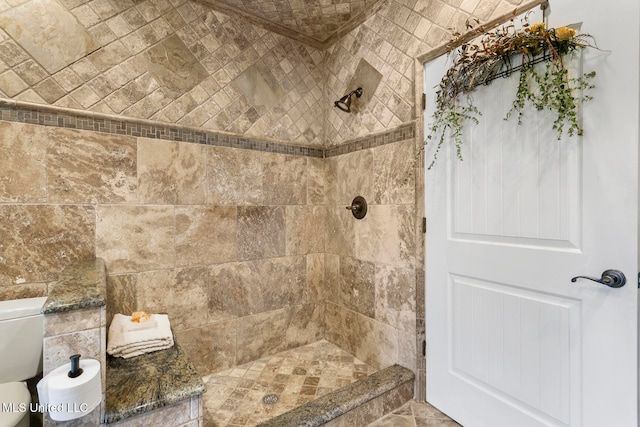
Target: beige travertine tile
316,178
393,169
11,84
314,21
296,375
332,278
58,348
67,79
241,289
72,321
355,177
24,146
171,172
174,66
29,95
40,240
121,295
395,297
375,342
357,288
213,44
191,303
49,90
280,171
91,419
341,228
371,341
211,348
409,350
261,335
234,177
485,9
388,40
25,290
304,325
30,25
181,293
205,235
30,72
416,414
261,232
341,327
304,229
85,96
331,180
87,167
387,235
259,86
135,238
11,53
316,291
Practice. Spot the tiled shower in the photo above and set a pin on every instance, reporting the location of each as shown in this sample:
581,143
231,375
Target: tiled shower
200,156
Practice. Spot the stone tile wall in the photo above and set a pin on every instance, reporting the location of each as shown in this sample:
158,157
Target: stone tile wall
175,61
371,263
179,61
389,41
162,213
229,242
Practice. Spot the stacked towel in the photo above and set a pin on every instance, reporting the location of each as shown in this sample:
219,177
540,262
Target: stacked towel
128,339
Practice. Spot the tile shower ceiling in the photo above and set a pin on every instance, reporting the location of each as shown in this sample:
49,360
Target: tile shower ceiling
315,22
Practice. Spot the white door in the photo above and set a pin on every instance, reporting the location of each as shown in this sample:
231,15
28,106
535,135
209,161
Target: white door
511,341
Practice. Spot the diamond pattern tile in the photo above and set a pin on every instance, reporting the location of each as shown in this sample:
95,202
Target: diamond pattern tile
316,19
235,397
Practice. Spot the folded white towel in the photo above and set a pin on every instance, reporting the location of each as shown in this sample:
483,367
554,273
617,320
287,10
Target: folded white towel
141,350
128,339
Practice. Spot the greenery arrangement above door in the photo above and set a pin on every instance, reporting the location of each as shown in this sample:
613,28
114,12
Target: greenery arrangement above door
502,53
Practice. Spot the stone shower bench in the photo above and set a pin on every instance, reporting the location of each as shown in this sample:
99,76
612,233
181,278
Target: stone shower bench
160,388
356,405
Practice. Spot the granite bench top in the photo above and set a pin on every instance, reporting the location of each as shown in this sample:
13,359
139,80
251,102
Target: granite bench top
332,405
83,284
143,383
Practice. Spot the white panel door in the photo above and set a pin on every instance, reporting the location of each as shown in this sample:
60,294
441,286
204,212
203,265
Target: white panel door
511,341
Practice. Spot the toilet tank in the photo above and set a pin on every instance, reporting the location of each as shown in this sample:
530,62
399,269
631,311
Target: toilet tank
21,333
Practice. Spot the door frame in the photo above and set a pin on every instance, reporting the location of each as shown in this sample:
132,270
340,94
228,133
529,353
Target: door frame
420,189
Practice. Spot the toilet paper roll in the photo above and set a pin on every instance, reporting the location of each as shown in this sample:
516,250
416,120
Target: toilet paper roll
66,398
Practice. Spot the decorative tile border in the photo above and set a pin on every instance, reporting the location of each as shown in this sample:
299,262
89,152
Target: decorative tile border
401,133
23,112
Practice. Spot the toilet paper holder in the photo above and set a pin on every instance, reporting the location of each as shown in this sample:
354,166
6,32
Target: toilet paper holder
72,390
75,370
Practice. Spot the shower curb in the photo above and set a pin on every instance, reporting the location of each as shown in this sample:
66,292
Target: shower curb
355,405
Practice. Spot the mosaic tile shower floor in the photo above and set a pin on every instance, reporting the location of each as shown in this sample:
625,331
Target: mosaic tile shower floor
297,376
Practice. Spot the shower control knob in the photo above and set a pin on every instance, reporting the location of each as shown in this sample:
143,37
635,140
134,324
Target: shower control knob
358,207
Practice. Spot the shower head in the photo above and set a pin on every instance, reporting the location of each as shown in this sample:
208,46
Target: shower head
344,103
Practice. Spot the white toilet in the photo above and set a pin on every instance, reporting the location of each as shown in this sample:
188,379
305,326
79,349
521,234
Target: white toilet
21,330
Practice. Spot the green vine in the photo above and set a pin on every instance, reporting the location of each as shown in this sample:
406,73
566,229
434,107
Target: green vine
492,57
